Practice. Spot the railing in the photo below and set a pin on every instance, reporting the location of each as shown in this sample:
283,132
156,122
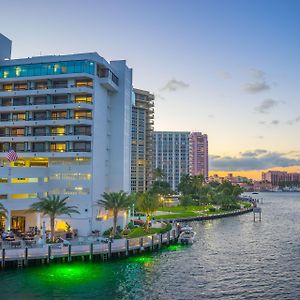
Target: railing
48,87
46,134
46,119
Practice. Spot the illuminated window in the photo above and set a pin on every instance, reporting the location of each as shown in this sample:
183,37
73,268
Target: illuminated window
84,83
25,180
83,99
57,115
58,130
58,147
7,87
83,114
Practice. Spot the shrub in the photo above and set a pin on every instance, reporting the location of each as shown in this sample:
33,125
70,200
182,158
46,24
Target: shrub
212,209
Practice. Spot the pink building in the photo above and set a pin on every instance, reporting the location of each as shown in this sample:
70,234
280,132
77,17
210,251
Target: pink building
277,177
198,154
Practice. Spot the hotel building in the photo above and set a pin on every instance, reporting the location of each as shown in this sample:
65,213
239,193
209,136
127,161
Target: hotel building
179,153
142,141
68,118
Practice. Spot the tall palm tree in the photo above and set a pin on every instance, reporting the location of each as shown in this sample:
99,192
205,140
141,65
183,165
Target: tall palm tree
115,201
158,174
52,206
148,203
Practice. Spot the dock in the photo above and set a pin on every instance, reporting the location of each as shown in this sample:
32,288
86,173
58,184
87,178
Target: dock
88,251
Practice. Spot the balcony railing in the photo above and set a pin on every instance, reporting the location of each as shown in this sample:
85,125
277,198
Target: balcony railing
46,119
48,103
46,134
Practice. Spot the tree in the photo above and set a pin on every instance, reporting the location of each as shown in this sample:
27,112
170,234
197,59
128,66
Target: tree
161,187
115,201
158,174
148,203
3,211
52,206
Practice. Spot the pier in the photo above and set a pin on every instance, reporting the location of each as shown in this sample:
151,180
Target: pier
88,251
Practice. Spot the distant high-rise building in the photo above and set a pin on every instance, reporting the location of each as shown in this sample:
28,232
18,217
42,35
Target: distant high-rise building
198,159
142,141
171,155
179,153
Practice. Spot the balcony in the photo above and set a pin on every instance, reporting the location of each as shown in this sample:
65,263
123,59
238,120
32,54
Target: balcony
108,79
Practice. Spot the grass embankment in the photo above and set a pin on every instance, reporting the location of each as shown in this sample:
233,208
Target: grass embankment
140,231
193,211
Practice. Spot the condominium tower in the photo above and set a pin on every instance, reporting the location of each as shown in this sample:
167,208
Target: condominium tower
198,159
179,153
68,118
142,140
171,155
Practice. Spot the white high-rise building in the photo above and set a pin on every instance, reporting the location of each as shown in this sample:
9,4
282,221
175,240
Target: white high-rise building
68,118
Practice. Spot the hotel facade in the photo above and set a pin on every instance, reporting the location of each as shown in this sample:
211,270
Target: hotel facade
179,153
68,118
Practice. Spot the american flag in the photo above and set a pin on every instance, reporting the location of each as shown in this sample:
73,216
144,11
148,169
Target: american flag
12,155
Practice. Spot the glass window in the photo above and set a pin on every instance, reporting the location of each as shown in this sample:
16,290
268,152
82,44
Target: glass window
82,66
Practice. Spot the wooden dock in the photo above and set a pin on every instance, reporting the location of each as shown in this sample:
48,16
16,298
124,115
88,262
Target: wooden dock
18,258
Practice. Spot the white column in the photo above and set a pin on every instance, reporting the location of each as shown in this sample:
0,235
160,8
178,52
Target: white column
38,220
8,220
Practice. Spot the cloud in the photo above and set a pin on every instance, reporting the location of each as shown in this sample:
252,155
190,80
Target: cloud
266,106
293,121
174,85
262,122
211,116
224,74
260,137
275,122
259,85
257,74
253,160
256,87
159,96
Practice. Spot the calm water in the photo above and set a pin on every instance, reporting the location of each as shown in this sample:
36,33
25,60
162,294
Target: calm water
233,258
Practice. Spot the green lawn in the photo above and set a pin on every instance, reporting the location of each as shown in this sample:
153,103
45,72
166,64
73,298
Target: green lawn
140,231
181,208
182,214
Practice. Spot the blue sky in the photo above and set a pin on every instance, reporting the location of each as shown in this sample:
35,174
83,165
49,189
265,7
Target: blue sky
226,68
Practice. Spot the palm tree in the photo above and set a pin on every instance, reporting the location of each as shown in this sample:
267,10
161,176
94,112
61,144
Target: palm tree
148,203
158,174
115,201
3,211
52,206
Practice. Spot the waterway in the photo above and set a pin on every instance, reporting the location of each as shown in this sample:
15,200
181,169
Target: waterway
232,258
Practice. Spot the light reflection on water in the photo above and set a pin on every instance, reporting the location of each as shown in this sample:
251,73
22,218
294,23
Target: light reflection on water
233,258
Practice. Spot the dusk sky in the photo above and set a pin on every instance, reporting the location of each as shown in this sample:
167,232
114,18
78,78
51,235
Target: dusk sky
226,68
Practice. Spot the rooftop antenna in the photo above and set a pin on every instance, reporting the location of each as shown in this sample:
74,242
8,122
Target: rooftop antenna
40,53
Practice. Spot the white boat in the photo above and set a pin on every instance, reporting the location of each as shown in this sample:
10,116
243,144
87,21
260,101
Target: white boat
187,235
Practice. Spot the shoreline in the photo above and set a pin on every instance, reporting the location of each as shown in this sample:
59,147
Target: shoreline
19,258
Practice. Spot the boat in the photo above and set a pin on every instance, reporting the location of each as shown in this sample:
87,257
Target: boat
187,235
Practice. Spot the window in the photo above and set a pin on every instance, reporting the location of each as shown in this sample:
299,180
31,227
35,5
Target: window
19,117
58,130
83,114
58,115
38,131
58,147
84,83
20,86
7,87
68,67
82,146
17,131
41,85
38,147
41,115
40,100
83,99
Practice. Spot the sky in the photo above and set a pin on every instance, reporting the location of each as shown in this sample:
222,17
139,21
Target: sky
227,68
